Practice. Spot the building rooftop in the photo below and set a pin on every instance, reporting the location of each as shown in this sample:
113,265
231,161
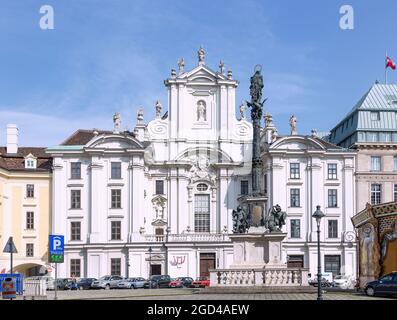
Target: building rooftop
16,162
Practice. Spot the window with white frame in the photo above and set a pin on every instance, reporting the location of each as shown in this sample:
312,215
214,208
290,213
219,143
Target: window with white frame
332,171
294,171
115,266
376,193
75,268
29,220
75,199
202,213
116,199
244,187
115,170
115,230
29,250
332,228
395,163
159,187
295,198
30,163
75,170
30,191
332,198
75,230
375,163
295,228
375,115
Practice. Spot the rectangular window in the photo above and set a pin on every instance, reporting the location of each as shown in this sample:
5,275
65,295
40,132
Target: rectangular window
375,163
30,191
202,213
115,266
75,268
332,198
116,170
116,199
395,193
29,250
294,171
75,199
332,171
332,228
376,193
295,261
244,187
395,163
30,220
295,197
75,170
75,230
159,186
116,230
332,264
295,228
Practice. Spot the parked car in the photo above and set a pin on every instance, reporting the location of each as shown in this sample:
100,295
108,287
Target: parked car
324,283
386,285
131,283
344,282
201,282
106,282
62,283
72,285
85,283
158,281
181,282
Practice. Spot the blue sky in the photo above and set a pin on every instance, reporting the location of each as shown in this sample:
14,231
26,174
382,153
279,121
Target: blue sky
113,55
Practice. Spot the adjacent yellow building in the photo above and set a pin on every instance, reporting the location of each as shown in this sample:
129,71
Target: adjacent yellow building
25,202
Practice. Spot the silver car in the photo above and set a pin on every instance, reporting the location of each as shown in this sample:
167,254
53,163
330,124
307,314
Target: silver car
131,283
106,282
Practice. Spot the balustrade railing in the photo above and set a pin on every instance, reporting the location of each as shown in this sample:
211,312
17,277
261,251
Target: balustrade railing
259,277
189,237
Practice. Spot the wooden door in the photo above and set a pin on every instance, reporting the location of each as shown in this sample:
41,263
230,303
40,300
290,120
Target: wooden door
390,262
207,261
156,269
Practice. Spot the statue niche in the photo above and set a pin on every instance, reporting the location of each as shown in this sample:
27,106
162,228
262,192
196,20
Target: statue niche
201,111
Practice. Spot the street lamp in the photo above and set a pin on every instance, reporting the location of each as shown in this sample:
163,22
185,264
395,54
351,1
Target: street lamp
167,231
318,214
150,263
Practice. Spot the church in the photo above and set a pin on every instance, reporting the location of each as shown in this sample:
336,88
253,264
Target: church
159,199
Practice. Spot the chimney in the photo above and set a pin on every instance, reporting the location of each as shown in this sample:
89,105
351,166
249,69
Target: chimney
12,138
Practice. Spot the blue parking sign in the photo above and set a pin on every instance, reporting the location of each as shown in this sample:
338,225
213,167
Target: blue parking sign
56,252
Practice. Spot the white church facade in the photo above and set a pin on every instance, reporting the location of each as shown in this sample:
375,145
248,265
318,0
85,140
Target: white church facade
159,200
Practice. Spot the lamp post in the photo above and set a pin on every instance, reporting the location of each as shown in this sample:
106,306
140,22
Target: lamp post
167,231
150,262
318,214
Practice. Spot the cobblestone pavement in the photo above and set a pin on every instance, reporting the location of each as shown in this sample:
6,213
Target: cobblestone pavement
193,294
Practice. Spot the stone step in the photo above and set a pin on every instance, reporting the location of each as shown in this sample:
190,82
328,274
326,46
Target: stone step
264,289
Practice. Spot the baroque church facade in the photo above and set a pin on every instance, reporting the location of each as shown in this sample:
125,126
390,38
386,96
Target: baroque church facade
159,199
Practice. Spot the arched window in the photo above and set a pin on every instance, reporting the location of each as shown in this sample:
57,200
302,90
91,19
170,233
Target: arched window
202,187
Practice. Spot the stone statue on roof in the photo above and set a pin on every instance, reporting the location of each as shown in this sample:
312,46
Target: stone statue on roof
292,123
201,56
158,109
117,121
181,65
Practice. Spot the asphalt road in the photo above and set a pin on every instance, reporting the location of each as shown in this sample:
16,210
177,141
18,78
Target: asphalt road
194,294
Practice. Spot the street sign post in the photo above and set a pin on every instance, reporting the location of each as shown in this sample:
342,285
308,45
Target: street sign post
56,254
10,248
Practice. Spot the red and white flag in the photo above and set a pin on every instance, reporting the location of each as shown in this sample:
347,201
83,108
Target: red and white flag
390,63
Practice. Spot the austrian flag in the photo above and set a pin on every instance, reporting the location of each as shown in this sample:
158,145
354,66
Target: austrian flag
390,63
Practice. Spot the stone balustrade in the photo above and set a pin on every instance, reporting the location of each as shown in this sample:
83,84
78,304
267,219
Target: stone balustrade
189,237
259,277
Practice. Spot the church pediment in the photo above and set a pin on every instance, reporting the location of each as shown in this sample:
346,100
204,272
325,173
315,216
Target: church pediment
297,143
114,142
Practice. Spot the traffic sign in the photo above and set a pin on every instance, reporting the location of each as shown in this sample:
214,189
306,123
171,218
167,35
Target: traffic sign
56,244
10,246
